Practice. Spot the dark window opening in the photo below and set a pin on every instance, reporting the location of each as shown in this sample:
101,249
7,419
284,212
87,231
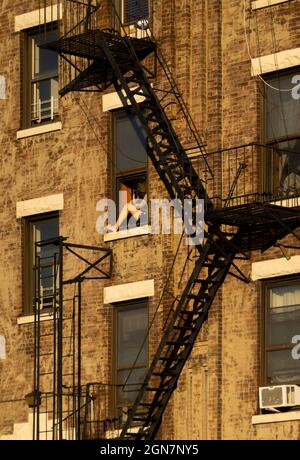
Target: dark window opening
131,324
40,86
135,10
283,134
282,320
130,163
40,229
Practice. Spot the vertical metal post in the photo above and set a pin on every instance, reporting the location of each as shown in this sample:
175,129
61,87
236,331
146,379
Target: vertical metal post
60,345
52,107
37,390
79,356
35,342
54,350
74,398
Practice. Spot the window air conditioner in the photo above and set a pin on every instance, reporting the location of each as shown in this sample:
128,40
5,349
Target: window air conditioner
279,396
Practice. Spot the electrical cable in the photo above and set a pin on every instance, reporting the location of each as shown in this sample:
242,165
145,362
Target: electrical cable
251,58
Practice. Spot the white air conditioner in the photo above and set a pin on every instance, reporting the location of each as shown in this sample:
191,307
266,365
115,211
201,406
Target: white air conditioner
279,396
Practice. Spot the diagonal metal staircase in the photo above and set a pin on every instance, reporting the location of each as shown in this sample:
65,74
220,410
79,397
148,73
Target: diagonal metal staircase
114,58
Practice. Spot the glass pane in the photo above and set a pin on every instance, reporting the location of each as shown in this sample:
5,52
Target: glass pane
283,111
45,230
127,395
44,61
132,328
288,161
283,314
135,9
282,367
131,144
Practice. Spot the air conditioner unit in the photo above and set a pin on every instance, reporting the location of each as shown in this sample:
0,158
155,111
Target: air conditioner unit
279,396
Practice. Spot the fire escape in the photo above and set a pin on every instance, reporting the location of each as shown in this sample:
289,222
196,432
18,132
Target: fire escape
100,58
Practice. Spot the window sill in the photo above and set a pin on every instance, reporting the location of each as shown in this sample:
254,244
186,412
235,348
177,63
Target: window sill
275,418
43,129
29,319
256,5
137,231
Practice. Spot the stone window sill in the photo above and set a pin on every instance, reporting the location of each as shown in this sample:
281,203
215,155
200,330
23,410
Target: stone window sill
137,231
275,418
29,319
43,129
256,5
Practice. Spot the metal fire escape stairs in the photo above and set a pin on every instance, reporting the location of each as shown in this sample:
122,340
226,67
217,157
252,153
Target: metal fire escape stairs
116,59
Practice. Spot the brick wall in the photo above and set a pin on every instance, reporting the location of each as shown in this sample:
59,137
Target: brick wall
205,46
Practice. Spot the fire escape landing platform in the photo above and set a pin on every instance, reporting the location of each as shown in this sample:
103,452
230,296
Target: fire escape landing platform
263,223
97,70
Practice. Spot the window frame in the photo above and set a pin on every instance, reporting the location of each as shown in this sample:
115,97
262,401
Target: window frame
117,307
116,177
266,286
28,80
28,263
269,182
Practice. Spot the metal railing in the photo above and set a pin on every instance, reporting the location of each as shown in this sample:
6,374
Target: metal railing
249,173
95,420
43,110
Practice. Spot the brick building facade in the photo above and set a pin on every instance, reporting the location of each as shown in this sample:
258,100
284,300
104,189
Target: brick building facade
58,167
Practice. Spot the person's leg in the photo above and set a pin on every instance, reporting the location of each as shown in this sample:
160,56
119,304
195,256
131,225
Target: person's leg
128,208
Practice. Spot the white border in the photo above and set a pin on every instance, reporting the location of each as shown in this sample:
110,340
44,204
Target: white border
29,319
112,101
276,61
275,418
40,205
43,129
256,5
35,17
137,231
275,267
129,291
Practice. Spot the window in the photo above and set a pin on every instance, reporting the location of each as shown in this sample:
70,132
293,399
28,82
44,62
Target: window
134,15
40,228
281,324
130,161
135,10
283,133
131,323
40,82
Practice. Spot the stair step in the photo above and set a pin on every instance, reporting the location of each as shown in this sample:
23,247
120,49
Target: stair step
158,389
167,373
215,264
200,296
166,359
184,328
150,405
174,343
188,312
140,419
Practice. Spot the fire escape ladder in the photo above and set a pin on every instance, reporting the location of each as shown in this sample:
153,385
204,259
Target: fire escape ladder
177,341
164,148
